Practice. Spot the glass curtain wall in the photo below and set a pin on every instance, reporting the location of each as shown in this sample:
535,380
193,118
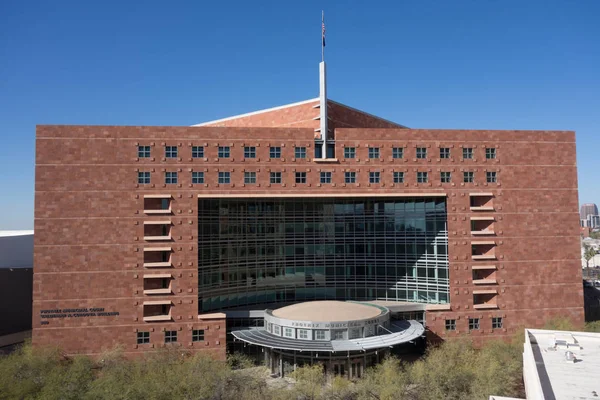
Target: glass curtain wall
266,251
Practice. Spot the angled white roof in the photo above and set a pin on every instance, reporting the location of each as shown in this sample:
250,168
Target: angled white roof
266,110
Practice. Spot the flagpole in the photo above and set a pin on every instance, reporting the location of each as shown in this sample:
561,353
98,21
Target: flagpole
322,35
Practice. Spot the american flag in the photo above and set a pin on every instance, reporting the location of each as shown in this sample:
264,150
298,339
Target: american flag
323,32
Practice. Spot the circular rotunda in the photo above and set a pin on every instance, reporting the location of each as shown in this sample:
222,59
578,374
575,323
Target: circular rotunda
345,337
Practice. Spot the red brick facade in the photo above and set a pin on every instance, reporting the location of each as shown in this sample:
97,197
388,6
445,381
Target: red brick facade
89,219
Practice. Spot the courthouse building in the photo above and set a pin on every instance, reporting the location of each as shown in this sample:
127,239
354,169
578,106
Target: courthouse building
149,236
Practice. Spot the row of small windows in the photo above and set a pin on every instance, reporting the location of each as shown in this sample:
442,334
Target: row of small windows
421,152
300,152
170,336
222,152
474,324
325,177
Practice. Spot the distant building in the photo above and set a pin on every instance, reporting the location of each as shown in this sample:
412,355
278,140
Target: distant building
16,285
593,221
588,209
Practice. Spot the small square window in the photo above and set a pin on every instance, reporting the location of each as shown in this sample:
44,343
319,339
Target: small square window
421,152
490,177
249,177
249,152
225,177
444,152
445,177
288,332
170,336
143,178
143,337
275,152
422,177
468,153
197,177
373,152
374,177
197,152
300,177
143,151
350,177
276,329
224,152
197,335
302,334
170,177
468,176
450,324
300,152
275,177
319,334
473,324
171,151
490,153
398,177
337,335
398,152
349,152
325,177
496,322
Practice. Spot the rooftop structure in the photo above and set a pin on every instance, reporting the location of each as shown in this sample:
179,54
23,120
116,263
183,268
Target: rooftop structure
561,365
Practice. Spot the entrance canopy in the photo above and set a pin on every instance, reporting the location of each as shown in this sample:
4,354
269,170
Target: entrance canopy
399,332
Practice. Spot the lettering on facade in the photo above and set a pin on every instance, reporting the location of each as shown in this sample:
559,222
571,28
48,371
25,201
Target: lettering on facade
60,313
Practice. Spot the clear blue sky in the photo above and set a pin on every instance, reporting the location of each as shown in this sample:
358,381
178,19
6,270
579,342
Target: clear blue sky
426,64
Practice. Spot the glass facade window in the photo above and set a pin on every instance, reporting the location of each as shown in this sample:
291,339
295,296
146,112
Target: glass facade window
473,324
421,152
300,152
171,151
422,177
197,177
249,177
223,152
490,177
468,153
398,152
170,177
490,153
349,152
170,336
373,152
398,177
300,177
302,334
249,152
337,334
275,152
143,151
197,151
445,177
267,251
496,322
325,177
374,177
143,178
450,324
225,178
350,177
275,177
197,335
276,329
468,177
288,332
143,337
444,152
